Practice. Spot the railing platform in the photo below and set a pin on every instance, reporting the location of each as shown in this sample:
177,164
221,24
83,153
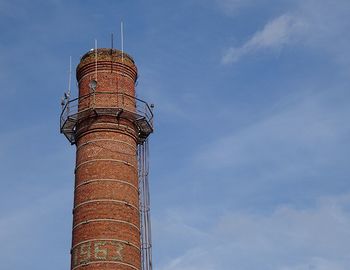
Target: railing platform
141,115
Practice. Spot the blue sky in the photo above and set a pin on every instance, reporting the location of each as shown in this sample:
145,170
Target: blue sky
250,151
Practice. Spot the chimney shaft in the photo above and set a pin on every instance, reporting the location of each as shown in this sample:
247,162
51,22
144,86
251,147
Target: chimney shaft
107,126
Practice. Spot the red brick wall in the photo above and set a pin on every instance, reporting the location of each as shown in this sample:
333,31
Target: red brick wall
106,230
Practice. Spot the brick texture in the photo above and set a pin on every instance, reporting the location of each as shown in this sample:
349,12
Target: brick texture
106,222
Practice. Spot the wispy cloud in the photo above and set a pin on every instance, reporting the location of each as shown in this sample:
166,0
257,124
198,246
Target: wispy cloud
193,259
312,23
275,34
285,239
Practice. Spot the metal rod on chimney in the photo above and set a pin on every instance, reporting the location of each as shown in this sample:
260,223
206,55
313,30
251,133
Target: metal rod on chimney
96,59
70,76
122,39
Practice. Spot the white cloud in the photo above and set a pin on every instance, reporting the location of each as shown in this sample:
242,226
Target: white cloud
315,24
194,259
275,34
313,238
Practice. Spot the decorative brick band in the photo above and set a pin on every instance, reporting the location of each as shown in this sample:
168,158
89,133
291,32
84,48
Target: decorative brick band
106,180
106,239
106,159
106,140
106,220
109,72
127,129
116,262
119,128
106,200
111,130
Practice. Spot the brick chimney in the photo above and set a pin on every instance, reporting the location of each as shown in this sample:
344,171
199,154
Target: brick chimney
107,124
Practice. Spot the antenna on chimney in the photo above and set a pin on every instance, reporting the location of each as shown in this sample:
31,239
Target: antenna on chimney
96,59
66,95
70,75
122,38
112,39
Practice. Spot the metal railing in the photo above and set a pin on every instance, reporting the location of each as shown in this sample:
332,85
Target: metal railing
119,100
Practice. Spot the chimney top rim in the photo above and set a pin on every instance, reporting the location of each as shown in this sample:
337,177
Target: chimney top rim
107,51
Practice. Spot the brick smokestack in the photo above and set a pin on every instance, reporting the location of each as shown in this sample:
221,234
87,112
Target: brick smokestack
107,128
